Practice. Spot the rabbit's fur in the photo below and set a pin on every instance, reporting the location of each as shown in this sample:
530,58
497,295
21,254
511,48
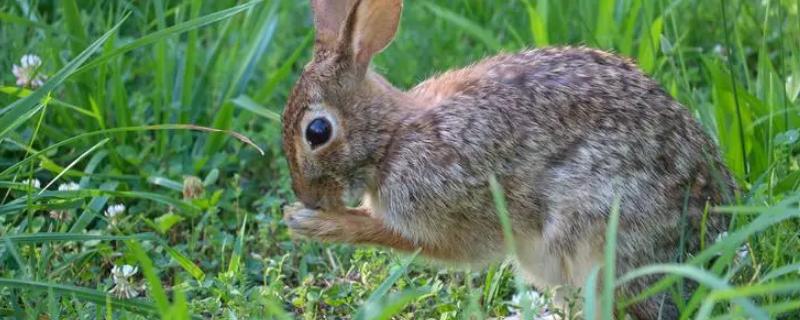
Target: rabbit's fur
565,131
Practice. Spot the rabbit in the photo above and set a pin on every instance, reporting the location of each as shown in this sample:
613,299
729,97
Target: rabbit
566,132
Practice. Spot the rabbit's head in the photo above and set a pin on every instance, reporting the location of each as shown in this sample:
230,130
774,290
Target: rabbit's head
331,121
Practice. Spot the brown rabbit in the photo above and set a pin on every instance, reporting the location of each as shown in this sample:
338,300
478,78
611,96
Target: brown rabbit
564,130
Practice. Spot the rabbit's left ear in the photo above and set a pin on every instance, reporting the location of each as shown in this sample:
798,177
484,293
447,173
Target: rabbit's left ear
329,17
370,27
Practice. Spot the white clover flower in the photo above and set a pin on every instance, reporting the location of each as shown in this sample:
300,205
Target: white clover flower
27,72
123,284
720,50
114,210
69,186
536,300
721,236
126,271
742,253
32,183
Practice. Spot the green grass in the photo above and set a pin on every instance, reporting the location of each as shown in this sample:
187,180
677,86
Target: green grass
141,94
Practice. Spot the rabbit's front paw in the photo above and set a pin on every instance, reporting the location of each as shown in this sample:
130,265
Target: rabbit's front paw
310,223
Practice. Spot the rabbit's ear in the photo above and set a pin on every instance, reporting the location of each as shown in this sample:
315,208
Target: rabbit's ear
329,17
370,26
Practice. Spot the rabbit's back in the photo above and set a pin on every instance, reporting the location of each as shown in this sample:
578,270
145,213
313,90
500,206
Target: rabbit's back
547,108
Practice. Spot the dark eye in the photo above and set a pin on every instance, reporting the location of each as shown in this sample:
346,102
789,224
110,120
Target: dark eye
318,132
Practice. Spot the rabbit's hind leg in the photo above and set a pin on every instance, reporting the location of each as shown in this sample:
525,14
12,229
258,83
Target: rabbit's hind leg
538,266
563,272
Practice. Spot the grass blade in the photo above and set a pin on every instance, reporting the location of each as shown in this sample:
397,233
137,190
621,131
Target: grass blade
85,294
590,301
94,208
649,45
538,26
236,255
187,264
485,36
605,29
22,93
372,307
74,162
224,117
609,265
157,292
285,70
249,104
167,200
702,276
498,197
67,236
82,136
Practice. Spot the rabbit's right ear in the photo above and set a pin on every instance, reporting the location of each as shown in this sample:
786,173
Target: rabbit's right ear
329,17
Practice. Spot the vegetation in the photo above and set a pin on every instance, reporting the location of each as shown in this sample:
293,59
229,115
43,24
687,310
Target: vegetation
119,111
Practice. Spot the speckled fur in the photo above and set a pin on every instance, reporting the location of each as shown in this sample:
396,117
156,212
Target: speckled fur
565,131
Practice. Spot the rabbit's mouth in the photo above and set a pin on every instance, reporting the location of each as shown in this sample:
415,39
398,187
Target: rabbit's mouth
355,186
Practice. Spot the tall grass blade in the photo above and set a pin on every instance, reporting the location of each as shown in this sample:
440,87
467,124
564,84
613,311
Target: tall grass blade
170,31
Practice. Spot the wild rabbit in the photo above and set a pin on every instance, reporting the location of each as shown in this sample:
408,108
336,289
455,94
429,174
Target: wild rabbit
565,131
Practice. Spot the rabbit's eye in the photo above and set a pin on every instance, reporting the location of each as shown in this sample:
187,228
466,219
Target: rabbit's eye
318,132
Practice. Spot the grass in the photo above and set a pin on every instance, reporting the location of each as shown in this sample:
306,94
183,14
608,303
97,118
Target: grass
142,94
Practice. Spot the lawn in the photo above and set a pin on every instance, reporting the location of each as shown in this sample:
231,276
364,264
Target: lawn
141,171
